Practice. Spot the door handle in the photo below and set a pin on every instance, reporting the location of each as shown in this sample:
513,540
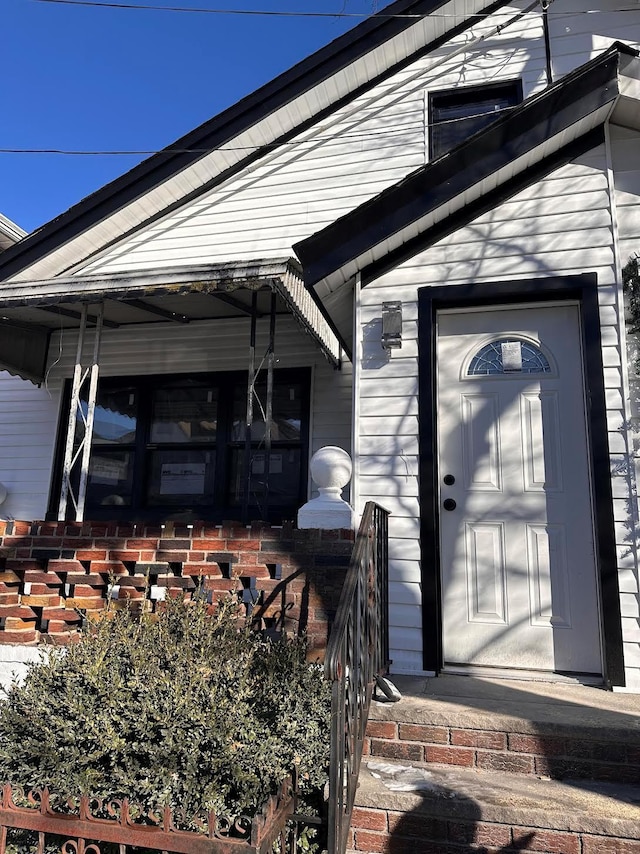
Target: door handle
449,504
449,479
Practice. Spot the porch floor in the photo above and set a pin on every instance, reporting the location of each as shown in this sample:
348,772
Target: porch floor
491,704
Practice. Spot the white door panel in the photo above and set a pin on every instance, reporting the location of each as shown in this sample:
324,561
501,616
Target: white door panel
519,583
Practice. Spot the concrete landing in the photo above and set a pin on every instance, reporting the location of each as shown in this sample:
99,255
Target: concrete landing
496,704
452,793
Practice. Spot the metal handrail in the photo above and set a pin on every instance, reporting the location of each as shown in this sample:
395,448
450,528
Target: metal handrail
357,653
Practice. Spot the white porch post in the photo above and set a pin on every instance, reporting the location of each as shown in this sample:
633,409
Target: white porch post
78,417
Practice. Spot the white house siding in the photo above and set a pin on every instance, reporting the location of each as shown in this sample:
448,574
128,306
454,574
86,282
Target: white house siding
29,415
561,225
624,155
368,145
581,29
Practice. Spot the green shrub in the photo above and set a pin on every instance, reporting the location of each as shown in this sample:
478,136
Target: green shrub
186,709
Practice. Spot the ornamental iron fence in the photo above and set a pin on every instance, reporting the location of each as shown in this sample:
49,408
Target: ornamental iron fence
89,825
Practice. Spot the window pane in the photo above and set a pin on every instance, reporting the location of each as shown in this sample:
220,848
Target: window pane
110,481
181,477
284,478
115,416
457,115
184,414
507,356
287,412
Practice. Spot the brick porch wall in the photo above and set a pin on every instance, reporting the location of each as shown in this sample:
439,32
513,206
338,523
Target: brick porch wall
55,575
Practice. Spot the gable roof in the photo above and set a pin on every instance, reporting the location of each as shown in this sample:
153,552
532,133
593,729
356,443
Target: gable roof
519,147
312,89
10,233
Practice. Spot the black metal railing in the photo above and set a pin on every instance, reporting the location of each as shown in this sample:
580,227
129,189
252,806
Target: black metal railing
357,653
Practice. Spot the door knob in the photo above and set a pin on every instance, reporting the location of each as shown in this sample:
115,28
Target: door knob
449,479
449,504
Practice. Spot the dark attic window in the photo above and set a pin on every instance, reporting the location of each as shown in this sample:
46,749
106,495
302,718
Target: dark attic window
457,114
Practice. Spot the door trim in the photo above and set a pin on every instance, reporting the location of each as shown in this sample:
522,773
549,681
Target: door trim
584,289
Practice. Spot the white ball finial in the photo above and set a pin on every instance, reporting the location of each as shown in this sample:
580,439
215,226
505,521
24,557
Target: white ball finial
331,470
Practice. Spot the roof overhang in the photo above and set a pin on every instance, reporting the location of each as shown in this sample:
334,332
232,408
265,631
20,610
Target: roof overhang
515,150
10,233
272,115
180,295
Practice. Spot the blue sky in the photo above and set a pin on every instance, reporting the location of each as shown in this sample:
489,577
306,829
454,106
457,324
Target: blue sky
105,79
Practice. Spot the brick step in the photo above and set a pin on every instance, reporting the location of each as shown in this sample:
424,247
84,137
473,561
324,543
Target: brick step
467,810
581,733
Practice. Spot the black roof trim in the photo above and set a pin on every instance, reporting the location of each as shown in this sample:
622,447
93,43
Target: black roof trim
152,171
537,119
484,203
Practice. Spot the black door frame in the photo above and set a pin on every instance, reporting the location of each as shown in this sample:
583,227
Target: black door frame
584,289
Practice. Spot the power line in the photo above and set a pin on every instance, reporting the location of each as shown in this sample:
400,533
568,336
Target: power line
114,4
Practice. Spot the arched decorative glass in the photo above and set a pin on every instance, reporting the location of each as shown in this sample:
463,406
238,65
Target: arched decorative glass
508,356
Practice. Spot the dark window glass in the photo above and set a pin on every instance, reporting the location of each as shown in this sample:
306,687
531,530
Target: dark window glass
184,414
110,482
115,416
174,448
282,480
178,477
286,419
458,114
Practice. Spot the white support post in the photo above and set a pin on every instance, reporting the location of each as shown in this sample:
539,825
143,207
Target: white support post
82,451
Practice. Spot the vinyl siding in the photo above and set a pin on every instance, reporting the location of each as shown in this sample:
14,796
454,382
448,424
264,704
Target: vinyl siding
30,415
542,231
371,144
626,473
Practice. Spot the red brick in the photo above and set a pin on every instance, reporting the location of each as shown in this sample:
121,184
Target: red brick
549,841
206,544
81,591
609,845
195,556
91,554
497,761
89,603
172,557
492,835
10,598
419,732
27,637
125,556
243,545
106,567
479,738
40,577
141,543
541,745
368,819
365,840
382,729
420,826
202,568
449,755
22,611
246,570
77,543
396,750
17,624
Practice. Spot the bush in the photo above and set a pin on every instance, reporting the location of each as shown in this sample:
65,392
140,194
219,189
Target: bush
183,709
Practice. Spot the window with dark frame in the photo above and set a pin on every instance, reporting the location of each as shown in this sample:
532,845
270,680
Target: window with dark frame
173,447
456,114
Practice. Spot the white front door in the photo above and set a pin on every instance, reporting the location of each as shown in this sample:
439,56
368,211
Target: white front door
519,581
